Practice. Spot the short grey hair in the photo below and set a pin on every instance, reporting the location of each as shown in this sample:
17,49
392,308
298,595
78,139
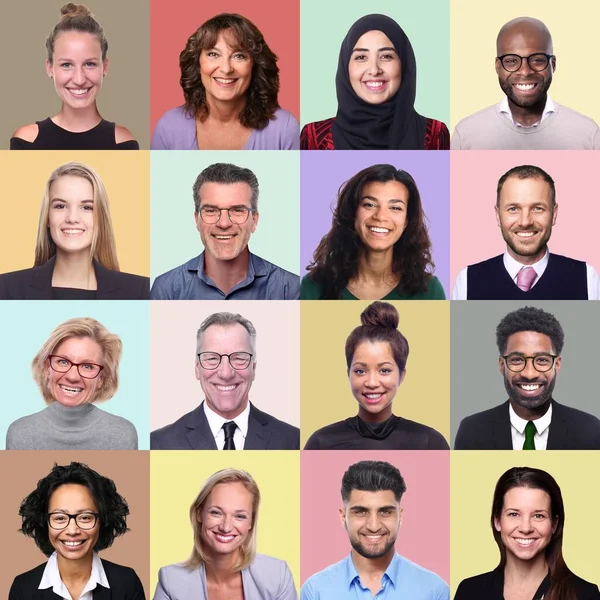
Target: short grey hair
225,319
228,174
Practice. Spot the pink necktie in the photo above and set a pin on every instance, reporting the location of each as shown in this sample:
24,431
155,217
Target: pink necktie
525,277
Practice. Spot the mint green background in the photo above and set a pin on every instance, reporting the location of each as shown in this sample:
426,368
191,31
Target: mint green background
323,26
27,324
174,238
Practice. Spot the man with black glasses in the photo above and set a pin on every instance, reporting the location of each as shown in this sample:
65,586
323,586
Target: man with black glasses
527,118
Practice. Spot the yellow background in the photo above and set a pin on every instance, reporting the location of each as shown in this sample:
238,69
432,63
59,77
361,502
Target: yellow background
474,26
126,176
176,478
473,479
325,394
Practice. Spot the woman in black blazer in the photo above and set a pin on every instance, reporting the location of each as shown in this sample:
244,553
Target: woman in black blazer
75,253
72,514
528,518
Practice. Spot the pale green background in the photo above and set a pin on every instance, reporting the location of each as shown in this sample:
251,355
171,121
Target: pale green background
323,26
173,234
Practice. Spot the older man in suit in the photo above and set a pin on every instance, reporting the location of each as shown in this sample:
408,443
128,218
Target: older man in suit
226,420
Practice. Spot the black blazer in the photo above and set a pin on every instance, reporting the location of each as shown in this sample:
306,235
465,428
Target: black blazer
36,284
191,432
570,429
490,586
124,585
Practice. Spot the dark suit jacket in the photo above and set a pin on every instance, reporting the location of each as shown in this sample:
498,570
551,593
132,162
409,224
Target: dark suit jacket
124,585
36,284
570,429
191,432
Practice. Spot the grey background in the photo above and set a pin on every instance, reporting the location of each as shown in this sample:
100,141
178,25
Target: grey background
476,383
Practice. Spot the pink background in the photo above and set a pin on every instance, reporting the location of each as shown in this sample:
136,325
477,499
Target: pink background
424,536
475,235
172,23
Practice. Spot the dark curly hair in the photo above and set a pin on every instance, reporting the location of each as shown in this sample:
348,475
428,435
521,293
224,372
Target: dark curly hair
372,476
335,261
261,101
530,318
112,507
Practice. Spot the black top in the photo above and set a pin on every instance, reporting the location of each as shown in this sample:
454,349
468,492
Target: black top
53,137
396,433
60,293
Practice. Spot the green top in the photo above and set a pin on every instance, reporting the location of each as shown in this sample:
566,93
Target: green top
309,290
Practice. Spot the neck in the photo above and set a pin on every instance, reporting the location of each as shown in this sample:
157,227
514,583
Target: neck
227,273
531,414
530,115
520,571
370,567
379,417
74,270
75,571
219,569
229,416
527,260
375,267
226,111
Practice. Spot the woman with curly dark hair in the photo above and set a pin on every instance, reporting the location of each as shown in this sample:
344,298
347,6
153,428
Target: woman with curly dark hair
378,246
73,513
230,81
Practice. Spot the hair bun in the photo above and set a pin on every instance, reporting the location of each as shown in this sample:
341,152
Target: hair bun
380,314
71,10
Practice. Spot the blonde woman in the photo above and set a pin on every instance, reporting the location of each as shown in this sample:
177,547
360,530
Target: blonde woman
224,564
75,253
77,367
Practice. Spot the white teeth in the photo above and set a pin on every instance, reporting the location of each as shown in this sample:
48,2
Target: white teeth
530,387
224,80
72,544
223,237
525,233
524,86
524,542
373,396
72,231
374,537
226,388
70,390
224,538
374,84
79,92
379,229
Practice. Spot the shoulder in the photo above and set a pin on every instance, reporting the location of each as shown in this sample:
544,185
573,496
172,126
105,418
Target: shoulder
309,289
175,130
172,577
318,439
582,418
175,116
435,289
285,119
122,134
481,115
138,283
28,132
167,286
565,260
283,284
568,113
329,576
474,588
167,437
435,440
437,136
317,135
485,415
584,589
11,284
425,579
269,566
122,432
274,423
21,432
119,571
27,583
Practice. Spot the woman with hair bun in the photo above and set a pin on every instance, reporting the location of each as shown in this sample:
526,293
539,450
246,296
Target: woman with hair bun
77,64
376,355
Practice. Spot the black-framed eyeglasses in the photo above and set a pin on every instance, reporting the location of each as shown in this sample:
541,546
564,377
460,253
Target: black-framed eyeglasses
87,370
236,214
212,360
537,62
84,520
541,362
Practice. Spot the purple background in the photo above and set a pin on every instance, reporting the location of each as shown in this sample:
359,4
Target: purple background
322,174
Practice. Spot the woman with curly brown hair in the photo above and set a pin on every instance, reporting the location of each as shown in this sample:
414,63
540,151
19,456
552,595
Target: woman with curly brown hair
230,80
378,246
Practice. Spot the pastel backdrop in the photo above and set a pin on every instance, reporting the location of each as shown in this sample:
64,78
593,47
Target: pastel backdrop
170,29
174,237
474,27
27,324
323,173
324,25
424,536
326,396
175,390
176,478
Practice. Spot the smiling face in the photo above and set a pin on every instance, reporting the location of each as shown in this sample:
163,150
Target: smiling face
73,543
77,68
525,524
375,71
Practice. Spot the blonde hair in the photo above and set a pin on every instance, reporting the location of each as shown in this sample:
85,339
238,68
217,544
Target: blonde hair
111,345
103,247
247,551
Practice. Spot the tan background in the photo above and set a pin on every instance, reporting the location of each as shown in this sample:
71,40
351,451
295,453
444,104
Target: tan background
130,470
27,93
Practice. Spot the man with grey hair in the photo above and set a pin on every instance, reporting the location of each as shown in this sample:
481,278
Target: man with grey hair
226,419
226,215
527,118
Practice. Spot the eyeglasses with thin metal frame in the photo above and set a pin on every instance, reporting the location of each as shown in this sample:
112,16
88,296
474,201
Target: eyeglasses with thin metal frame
236,214
84,520
541,362
537,62
60,364
211,360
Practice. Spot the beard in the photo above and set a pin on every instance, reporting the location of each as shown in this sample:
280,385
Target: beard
524,250
529,402
360,548
540,96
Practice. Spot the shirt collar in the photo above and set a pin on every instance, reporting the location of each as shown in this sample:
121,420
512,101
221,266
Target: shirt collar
215,421
392,572
51,577
513,267
549,108
519,424
257,267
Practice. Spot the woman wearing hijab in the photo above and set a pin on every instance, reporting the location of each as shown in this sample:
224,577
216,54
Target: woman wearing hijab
376,86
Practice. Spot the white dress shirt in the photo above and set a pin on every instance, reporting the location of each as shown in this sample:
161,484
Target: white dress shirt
504,108
215,422
517,429
51,578
459,292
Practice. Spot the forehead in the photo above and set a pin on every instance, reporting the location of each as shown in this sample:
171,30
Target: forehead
71,187
372,500
524,37
71,496
76,348
390,190
69,43
226,339
233,495
532,189
373,353
373,40
527,498
529,343
225,195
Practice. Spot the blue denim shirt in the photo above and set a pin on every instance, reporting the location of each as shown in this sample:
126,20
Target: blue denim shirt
264,281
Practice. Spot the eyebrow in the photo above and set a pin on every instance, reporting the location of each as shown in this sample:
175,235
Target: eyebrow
233,206
238,510
390,201
386,48
84,60
385,362
364,508
67,201
535,510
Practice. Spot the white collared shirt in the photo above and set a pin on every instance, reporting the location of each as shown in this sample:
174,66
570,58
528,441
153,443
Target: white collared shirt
215,422
51,578
517,429
504,108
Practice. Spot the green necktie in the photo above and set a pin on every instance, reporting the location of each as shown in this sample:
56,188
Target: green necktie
529,444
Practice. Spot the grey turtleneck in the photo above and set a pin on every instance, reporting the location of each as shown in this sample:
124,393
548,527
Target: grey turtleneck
59,427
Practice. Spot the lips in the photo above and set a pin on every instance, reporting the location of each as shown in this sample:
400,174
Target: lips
225,388
375,85
373,397
223,538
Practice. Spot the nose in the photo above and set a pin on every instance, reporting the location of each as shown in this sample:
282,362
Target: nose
72,527
373,66
372,380
525,524
225,369
72,374
78,76
226,524
526,218
224,220
72,214
225,65
525,69
373,522
529,372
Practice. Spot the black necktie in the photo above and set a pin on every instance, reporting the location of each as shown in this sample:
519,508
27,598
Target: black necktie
229,428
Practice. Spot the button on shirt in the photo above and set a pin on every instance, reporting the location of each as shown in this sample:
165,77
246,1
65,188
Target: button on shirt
504,108
264,281
215,422
517,429
402,579
51,579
